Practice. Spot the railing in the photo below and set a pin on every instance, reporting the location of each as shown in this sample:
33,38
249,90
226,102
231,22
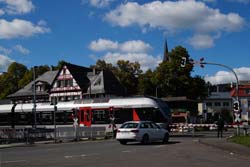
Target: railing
29,135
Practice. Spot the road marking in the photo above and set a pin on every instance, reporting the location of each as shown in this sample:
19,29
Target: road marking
68,156
80,155
126,151
14,161
159,146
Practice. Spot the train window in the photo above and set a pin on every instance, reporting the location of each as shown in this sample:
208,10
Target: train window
60,118
4,119
100,116
150,114
122,115
47,118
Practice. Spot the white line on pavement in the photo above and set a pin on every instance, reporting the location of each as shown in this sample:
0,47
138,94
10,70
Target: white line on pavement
14,161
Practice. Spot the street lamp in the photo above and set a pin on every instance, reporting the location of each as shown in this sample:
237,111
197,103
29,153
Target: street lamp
34,98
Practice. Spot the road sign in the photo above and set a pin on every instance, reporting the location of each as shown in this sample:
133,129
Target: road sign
237,118
236,106
183,61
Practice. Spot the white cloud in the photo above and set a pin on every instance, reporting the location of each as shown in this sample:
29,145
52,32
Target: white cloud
103,45
20,28
21,49
201,41
133,46
4,50
171,16
220,77
133,51
18,6
98,3
4,62
146,61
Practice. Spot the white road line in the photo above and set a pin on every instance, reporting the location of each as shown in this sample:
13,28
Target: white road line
14,161
126,151
80,155
68,156
160,146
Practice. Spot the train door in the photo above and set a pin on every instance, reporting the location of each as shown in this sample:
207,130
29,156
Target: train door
85,116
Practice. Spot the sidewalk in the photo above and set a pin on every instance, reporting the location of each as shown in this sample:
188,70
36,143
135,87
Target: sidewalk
224,144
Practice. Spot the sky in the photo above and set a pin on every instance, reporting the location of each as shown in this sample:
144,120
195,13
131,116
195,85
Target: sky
43,32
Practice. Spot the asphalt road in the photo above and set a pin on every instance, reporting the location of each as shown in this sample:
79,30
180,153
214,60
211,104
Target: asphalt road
180,151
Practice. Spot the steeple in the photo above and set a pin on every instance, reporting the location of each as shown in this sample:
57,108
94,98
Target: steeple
165,54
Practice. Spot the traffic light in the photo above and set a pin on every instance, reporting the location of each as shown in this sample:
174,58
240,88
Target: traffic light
183,61
236,106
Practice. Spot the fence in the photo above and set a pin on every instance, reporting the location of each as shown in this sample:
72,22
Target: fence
29,135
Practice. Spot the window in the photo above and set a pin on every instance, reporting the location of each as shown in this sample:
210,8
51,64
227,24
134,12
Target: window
247,91
71,82
217,104
58,84
66,83
225,104
209,104
150,114
100,116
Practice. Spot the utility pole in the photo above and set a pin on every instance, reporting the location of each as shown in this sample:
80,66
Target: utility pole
34,98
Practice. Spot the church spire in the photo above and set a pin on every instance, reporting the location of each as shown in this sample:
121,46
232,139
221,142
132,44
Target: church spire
165,54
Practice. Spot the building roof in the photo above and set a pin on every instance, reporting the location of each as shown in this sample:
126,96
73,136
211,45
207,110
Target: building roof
219,95
104,82
244,91
47,77
79,73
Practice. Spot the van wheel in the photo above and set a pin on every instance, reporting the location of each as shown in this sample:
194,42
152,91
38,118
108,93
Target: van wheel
165,138
145,139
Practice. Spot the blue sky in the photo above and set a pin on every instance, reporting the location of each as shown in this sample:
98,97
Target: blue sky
42,32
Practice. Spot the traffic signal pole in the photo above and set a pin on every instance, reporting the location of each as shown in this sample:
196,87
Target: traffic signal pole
237,87
202,63
237,80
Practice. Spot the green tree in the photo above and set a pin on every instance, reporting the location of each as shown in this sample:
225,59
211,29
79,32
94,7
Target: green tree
9,82
102,65
128,74
147,84
28,76
59,65
171,78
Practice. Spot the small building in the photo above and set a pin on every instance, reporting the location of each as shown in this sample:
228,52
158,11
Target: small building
216,103
42,83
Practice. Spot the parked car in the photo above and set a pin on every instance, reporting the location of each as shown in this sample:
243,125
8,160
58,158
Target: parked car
141,131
